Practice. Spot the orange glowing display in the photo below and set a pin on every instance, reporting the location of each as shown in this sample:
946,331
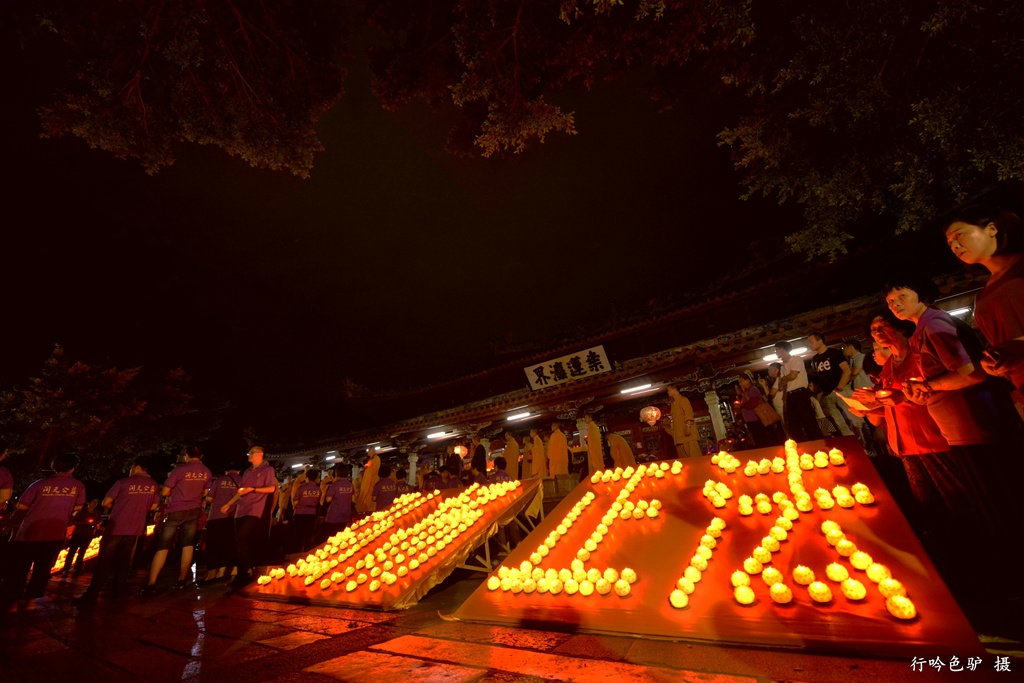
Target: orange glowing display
738,578
391,558
91,551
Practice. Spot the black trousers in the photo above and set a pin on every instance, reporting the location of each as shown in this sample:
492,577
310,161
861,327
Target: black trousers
78,544
115,558
801,422
302,532
35,555
250,537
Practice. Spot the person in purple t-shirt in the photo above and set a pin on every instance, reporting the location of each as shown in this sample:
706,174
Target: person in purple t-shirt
259,483
305,501
130,500
339,500
402,486
475,475
499,474
51,503
185,489
384,491
220,526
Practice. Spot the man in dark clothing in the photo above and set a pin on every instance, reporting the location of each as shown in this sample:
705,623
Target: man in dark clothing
86,521
831,373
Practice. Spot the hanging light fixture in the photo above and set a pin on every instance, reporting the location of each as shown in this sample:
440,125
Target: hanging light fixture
650,415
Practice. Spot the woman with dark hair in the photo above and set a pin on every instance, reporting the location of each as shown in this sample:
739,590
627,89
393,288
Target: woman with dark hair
974,417
993,237
913,435
750,398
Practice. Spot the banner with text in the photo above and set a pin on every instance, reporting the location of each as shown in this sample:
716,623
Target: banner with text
569,368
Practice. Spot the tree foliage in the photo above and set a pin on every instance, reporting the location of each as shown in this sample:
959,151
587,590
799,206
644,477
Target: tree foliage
252,78
866,114
105,415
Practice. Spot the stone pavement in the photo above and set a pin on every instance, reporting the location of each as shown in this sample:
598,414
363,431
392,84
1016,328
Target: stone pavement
210,636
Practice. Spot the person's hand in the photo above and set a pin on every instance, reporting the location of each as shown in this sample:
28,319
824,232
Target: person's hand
893,399
1004,358
916,392
224,509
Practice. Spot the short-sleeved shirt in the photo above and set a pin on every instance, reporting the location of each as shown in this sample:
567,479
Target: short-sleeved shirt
402,487
340,509
481,479
307,498
133,496
50,502
795,364
432,482
861,379
827,370
911,429
942,345
188,483
252,504
384,493
999,312
499,475
222,490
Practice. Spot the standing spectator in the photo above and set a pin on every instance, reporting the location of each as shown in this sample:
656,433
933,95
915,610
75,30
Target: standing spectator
684,427
258,484
86,521
305,501
801,422
448,481
966,406
595,449
384,491
558,451
6,482
990,235
185,489
479,452
284,499
831,373
129,500
453,462
540,458
366,481
51,502
772,389
858,380
622,454
750,398
339,501
220,526
512,455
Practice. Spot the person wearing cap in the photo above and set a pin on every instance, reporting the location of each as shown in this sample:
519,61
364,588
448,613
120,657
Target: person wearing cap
185,490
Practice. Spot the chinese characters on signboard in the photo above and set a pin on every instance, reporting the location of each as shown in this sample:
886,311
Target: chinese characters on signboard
569,368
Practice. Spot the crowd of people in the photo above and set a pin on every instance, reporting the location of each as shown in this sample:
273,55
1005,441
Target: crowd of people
931,392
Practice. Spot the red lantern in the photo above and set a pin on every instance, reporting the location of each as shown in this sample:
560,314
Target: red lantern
461,450
650,415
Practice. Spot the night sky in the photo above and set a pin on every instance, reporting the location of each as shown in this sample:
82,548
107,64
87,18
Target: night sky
396,265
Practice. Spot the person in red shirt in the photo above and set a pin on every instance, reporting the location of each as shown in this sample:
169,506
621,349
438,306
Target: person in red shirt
992,236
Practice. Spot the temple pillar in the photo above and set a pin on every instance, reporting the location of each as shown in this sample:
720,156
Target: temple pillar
711,398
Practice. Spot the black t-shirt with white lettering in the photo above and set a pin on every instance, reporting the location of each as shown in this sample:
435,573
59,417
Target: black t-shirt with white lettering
827,372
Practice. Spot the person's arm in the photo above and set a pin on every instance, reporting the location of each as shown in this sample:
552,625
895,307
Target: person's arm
5,496
108,502
845,379
165,491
